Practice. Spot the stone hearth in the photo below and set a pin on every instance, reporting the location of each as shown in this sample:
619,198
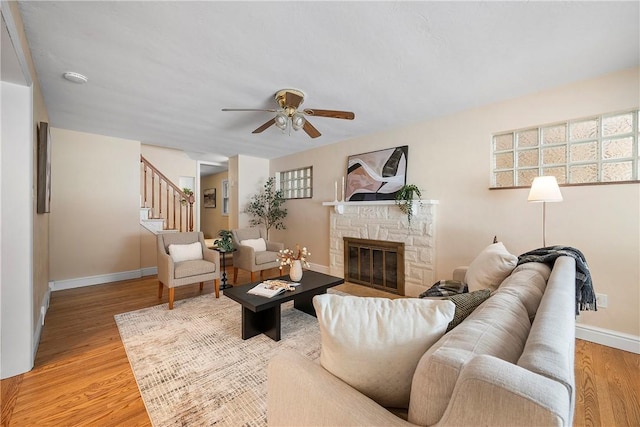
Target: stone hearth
384,221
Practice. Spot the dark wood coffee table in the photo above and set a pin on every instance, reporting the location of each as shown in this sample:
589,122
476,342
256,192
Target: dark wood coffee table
261,315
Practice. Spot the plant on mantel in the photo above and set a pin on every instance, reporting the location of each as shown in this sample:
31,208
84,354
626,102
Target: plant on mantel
405,199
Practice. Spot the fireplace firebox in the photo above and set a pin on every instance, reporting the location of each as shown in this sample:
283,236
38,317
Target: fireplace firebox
375,263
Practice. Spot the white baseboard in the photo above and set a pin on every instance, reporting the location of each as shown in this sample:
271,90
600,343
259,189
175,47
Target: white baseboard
43,313
319,268
619,340
149,271
96,280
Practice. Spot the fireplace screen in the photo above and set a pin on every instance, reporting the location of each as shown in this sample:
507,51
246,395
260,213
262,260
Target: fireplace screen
375,263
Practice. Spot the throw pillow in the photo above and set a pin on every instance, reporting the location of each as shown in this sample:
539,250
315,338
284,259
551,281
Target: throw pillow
188,252
465,304
258,245
374,344
490,267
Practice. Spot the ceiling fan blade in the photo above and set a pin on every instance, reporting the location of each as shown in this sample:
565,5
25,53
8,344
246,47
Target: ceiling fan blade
310,130
249,109
292,99
264,126
347,115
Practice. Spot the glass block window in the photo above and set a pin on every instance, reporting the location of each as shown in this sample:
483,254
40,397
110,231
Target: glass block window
225,197
296,183
581,151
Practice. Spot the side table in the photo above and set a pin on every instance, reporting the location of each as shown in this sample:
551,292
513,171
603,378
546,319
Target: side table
223,267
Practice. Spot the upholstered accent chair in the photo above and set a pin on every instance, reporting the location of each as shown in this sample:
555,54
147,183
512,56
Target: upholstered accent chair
254,253
183,259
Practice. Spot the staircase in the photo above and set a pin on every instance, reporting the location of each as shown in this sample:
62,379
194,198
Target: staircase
165,207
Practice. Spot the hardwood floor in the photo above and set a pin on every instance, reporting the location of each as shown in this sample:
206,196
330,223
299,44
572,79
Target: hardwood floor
82,376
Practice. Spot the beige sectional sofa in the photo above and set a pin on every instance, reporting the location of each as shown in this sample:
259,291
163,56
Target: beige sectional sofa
511,362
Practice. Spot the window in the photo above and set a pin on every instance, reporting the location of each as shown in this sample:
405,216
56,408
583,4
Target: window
297,183
225,197
583,151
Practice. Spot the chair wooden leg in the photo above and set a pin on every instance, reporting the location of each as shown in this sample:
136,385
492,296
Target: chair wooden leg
253,276
216,283
261,274
201,286
160,287
235,274
172,293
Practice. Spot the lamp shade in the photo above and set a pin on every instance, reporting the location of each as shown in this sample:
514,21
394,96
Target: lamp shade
545,189
281,120
297,121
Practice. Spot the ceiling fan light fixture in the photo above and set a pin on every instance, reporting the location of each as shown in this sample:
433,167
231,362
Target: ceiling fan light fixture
297,121
281,120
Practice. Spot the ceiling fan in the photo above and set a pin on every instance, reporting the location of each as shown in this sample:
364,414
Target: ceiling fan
288,116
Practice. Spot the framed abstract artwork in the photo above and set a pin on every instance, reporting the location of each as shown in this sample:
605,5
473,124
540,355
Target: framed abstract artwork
209,198
377,175
43,202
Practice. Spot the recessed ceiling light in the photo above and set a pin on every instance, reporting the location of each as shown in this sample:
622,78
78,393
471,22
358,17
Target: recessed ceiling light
75,77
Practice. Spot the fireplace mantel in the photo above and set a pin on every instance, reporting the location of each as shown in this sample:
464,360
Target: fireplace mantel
339,206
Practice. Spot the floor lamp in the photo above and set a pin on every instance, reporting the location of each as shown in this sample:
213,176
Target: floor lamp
544,189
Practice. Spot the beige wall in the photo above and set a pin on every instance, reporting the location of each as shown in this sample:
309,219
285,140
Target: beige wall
449,158
211,219
172,163
94,220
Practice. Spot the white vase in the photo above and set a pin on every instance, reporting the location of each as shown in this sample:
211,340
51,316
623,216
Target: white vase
295,271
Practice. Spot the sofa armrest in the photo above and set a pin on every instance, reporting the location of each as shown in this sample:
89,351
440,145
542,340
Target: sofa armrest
214,257
459,273
274,246
302,393
165,269
244,257
490,391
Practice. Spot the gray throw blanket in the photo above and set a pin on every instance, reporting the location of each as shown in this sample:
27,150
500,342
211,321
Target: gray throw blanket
585,295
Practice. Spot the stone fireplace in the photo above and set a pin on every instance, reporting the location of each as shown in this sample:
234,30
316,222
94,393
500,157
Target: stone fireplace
383,221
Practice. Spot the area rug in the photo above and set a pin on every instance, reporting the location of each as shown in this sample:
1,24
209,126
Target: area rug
193,368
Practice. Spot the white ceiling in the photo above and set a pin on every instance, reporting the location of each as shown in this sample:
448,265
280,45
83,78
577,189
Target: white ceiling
160,71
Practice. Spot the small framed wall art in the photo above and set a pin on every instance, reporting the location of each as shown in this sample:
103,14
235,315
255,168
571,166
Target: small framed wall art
209,198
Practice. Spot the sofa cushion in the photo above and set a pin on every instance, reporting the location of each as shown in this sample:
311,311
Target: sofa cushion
498,327
527,282
258,245
374,344
188,252
266,257
193,268
490,267
465,304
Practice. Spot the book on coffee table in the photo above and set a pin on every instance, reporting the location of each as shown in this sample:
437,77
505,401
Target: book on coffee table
271,288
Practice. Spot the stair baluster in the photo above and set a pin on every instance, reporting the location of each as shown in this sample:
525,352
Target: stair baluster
175,199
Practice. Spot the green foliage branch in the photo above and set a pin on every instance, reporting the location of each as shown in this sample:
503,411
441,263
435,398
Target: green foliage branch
405,197
266,207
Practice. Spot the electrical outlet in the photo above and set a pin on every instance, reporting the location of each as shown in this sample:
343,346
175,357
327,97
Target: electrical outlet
601,300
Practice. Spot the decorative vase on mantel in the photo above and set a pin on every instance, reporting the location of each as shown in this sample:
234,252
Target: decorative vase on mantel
295,270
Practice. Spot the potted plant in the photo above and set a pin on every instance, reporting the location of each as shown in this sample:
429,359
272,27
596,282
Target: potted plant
405,199
266,207
189,193
225,242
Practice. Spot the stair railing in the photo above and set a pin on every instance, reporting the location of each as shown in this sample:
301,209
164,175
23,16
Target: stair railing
174,203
